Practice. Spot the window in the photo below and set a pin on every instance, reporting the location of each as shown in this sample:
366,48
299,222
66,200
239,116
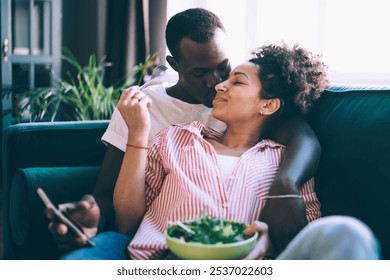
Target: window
31,50
350,34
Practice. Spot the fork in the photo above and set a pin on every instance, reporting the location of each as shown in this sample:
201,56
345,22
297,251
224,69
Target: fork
157,71
183,226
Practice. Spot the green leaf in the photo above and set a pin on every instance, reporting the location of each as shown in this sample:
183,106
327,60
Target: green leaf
81,97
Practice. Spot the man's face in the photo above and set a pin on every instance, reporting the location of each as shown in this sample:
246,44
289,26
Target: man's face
203,65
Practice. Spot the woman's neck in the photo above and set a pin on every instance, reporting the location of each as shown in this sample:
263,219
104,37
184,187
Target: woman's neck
240,138
237,140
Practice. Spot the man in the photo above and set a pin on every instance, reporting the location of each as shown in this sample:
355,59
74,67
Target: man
196,39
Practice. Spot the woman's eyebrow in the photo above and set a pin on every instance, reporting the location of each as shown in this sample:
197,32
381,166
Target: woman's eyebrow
240,73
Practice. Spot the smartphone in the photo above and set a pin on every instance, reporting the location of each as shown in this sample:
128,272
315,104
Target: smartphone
62,216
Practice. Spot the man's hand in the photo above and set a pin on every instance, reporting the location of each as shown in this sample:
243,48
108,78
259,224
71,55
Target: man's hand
285,217
85,213
263,245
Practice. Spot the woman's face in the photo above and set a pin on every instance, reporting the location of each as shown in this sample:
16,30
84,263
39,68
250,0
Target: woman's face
238,98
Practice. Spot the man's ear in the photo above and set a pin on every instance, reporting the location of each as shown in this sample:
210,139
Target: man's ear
270,106
172,62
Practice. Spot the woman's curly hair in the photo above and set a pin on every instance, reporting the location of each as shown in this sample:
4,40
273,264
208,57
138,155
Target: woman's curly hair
294,75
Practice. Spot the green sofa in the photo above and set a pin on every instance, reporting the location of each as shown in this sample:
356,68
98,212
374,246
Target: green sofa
63,158
352,124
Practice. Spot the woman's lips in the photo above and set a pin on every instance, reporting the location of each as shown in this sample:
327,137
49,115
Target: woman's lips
219,100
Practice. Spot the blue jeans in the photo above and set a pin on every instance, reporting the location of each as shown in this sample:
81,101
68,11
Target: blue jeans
333,238
108,246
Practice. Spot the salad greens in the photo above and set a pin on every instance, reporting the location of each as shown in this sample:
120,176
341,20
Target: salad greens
208,230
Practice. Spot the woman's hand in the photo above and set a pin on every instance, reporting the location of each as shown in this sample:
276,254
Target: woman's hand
263,244
134,108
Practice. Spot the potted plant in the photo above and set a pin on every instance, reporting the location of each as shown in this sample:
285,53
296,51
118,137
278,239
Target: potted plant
84,97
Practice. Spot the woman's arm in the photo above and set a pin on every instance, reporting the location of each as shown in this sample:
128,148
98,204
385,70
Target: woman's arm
285,217
129,193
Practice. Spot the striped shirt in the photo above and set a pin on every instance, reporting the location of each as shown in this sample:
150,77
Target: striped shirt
183,179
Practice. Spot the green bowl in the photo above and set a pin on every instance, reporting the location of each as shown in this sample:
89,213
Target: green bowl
199,251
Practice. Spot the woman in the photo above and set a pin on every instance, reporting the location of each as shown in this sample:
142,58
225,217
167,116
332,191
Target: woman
191,168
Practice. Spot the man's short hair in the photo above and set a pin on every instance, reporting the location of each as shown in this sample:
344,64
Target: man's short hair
197,24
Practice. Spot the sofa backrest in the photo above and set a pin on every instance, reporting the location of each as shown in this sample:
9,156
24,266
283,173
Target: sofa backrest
52,144
353,178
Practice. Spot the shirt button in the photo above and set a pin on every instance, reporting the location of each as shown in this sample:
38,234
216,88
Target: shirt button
225,204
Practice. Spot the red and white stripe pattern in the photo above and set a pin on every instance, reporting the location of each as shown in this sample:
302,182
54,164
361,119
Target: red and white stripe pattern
183,180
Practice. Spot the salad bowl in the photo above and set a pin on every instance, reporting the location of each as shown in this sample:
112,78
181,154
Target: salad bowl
209,239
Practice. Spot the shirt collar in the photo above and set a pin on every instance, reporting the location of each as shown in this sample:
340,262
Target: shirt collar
199,129
268,143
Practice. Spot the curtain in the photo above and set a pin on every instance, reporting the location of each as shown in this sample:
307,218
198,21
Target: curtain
133,32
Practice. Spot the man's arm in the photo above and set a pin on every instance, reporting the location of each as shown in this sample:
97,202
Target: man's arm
104,188
285,217
301,158
94,213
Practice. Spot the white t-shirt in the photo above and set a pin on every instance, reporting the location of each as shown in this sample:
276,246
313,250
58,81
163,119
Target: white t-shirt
165,110
226,164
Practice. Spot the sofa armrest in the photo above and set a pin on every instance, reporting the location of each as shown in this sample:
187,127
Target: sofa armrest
30,238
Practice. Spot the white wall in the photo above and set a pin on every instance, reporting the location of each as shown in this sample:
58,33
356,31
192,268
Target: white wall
352,35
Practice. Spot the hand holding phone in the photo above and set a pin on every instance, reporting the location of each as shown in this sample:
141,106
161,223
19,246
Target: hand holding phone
62,217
